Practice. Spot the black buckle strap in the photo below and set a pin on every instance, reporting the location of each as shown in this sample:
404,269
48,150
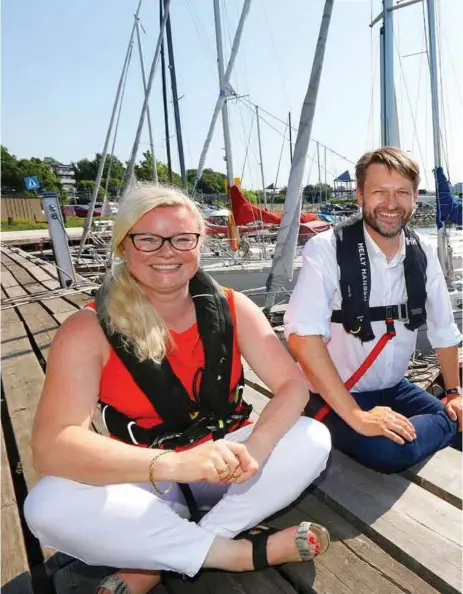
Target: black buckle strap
128,431
379,314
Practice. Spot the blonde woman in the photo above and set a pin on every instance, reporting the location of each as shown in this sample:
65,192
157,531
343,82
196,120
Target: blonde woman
161,350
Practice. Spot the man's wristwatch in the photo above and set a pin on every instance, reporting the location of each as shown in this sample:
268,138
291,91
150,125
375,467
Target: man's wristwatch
453,391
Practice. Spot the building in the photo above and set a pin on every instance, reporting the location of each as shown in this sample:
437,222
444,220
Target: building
65,175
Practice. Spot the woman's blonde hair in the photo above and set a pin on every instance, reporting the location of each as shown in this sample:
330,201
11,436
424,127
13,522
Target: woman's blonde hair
129,311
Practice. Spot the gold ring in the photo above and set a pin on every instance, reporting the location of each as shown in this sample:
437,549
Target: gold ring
223,470
238,472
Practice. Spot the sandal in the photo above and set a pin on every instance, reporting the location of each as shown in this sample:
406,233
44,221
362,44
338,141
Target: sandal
114,584
261,533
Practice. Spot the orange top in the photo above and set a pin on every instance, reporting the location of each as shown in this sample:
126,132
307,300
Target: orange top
119,389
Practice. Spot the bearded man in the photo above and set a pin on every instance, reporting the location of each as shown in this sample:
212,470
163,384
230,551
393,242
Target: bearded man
365,288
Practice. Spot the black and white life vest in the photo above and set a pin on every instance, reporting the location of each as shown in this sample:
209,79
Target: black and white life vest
214,412
356,314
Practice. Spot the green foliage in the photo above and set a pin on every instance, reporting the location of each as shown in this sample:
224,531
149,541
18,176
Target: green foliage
86,170
15,170
317,193
211,182
24,225
250,195
144,171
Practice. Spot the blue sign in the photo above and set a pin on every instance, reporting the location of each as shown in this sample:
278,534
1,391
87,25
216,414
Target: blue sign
32,183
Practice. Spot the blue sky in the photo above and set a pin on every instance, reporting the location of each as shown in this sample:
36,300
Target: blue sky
61,63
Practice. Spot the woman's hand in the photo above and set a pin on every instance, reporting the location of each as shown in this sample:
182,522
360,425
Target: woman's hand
218,461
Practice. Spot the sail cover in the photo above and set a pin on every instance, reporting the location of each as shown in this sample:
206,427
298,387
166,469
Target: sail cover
245,212
448,207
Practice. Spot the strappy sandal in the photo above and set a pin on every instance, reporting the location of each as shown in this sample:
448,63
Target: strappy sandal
261,533
114,584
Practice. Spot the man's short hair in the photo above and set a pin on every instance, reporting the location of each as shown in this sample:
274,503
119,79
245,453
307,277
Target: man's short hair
394,159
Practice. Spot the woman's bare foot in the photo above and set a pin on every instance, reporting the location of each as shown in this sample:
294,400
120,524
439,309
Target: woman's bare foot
139,582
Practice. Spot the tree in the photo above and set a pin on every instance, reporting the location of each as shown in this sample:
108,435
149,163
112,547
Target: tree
144,171
211,182
86,170
250,195
14,171
317,193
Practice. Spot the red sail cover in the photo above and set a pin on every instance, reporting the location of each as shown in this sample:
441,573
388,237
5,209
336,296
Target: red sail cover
245,212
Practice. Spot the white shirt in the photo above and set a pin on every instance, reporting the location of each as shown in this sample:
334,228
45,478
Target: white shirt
317,294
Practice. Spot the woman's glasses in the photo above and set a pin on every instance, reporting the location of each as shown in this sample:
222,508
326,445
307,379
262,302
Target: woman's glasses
147,242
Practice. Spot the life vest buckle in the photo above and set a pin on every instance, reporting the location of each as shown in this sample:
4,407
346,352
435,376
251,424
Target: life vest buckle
390,328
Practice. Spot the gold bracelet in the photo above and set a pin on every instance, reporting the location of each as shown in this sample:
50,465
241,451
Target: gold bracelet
151,477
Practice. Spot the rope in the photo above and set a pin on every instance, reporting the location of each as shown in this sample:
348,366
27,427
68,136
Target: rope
443,130
111,156
373,65
203,41
295,129
410,107
247,146
275,183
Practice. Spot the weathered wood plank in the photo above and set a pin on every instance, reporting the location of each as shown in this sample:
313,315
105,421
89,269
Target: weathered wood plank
338,570
22,379
60,308
41,325
440,474
45,273
15,575
417,527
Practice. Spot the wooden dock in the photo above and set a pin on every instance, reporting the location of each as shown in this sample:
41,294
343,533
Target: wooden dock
390,534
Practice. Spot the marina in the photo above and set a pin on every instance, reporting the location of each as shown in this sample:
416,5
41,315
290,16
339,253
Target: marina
399,533
391,533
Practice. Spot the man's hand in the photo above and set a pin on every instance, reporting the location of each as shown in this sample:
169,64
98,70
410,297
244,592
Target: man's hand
382,420
453,408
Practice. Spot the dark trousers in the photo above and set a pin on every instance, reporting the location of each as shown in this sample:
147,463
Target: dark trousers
434,429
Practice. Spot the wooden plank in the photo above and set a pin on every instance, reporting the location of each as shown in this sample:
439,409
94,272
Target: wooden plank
417,527
358,547
45,273
60,308
39,323
440,474
22,378
352,565
15,575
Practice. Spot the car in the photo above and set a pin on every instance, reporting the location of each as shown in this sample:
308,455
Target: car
81,210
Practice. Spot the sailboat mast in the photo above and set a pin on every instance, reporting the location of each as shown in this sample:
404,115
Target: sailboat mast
285,249
225,118
173,83
389,118
434,83
99,175
222,94
141,121
164,96
290,138
259,140
148,114
442,236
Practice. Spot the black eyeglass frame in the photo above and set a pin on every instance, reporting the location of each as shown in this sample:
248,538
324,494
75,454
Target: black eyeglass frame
163,240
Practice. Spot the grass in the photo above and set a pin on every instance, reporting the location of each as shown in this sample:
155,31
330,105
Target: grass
25,225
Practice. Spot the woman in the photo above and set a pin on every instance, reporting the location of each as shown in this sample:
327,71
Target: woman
107,502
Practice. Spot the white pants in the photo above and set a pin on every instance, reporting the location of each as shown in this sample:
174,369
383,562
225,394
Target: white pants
128,526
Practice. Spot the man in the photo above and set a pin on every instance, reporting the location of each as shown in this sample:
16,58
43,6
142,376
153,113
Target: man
374,280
